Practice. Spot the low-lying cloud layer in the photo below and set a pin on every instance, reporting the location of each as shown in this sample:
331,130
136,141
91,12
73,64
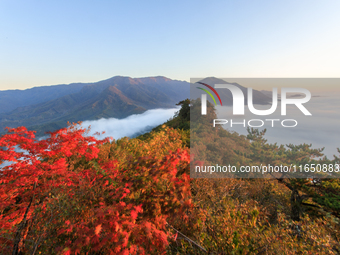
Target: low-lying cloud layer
130,126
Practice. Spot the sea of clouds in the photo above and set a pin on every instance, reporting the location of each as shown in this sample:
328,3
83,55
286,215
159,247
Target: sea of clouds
131,126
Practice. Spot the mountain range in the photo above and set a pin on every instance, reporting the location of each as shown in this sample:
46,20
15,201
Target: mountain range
49,108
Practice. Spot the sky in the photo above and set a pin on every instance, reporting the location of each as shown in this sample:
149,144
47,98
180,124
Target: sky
62,42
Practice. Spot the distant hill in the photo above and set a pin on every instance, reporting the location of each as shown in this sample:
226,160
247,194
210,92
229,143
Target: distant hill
226,96
50,108
289,95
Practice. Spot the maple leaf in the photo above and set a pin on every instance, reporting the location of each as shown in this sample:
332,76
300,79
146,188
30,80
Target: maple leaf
134,214
67,251
98,229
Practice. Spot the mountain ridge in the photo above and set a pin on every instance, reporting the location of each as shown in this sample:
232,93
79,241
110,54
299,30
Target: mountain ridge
118,97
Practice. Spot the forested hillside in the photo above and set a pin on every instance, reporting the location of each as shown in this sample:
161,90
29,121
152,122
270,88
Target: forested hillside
74,194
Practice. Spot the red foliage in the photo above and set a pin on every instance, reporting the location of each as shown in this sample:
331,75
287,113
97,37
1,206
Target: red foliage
102,206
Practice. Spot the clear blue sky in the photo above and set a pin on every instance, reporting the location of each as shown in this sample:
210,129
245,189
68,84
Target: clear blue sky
60,42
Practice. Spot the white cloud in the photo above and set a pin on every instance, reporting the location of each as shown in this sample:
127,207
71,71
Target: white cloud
118,128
